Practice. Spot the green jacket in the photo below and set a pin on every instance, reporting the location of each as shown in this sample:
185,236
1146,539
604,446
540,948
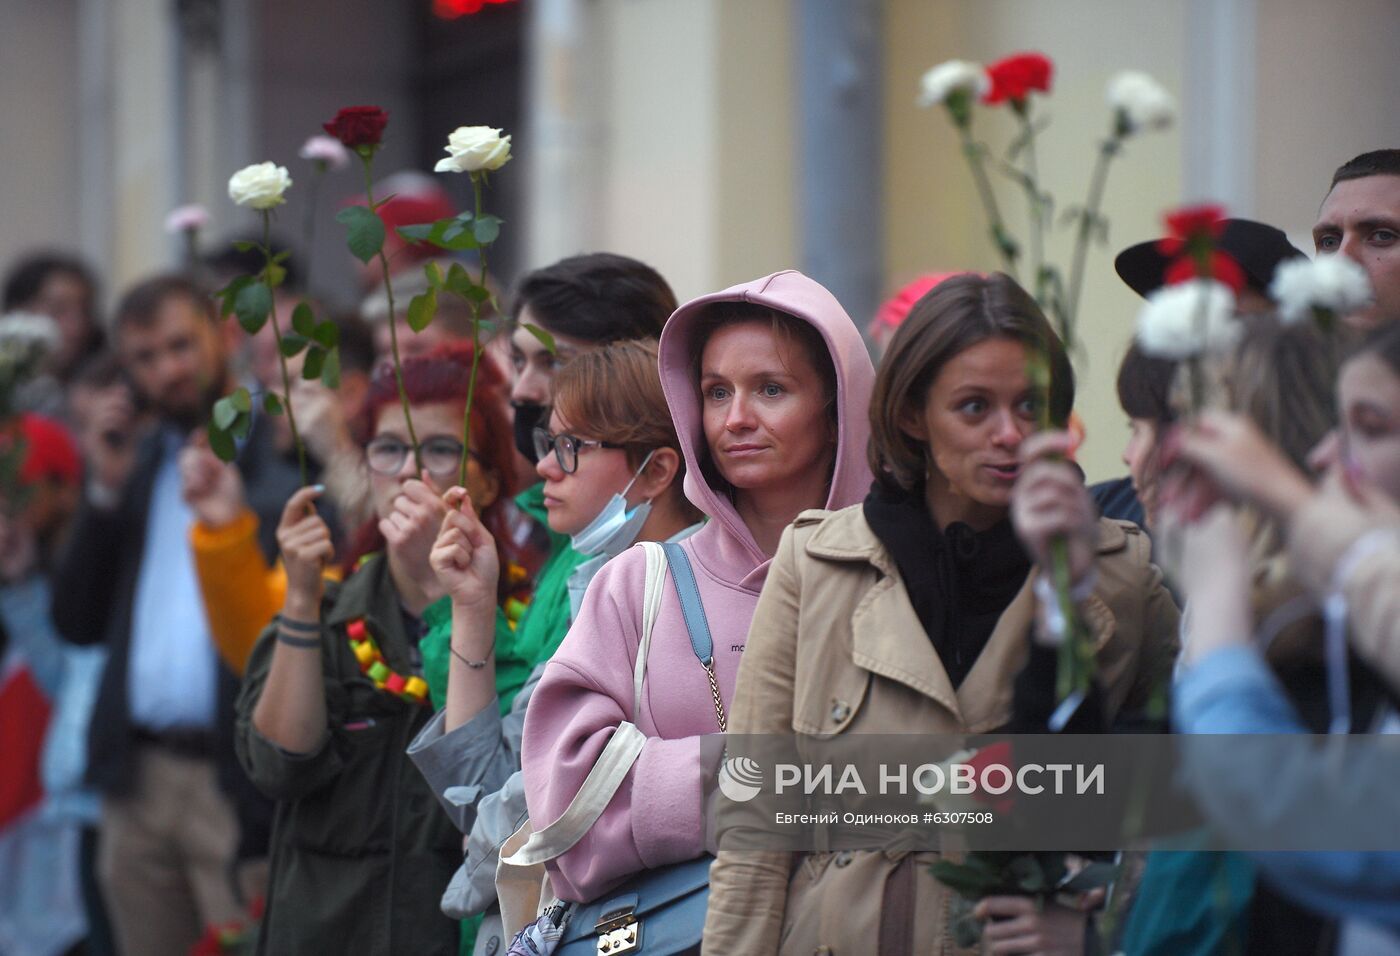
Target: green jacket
361,851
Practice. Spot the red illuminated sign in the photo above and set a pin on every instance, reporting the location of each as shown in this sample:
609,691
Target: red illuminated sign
452,9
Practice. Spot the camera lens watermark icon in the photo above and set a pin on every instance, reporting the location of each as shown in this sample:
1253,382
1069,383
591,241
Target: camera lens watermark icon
740,778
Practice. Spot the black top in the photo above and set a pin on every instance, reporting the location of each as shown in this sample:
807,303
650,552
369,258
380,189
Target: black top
959,580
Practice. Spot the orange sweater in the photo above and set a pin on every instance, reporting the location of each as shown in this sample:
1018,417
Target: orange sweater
241,593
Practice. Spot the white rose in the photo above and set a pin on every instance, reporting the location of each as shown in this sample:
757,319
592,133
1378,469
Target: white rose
473,149
260,186
326,149
954,76
1140,101
1188,319
1332,283
186,219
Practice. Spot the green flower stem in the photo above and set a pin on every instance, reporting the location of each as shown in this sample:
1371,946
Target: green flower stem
989,202
1031,183
476,341
277,334
367,159
1087,218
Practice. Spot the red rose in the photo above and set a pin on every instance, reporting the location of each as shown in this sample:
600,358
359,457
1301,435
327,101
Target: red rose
994,755
1191,222
358,126
1016,77
1223,269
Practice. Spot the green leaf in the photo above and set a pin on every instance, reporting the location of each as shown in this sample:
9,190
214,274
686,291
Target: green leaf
304,320
477,294
221,443
364,231
421,310
545,338
434,273
282,256
326,333
242,426
1029,876
415,234
315,362
241,400
330,373
253,305
486,229
274,275
244,245
454,230
224,414
458,279
292,344
229,294
272,403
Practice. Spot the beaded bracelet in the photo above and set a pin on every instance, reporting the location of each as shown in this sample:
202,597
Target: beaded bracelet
475,665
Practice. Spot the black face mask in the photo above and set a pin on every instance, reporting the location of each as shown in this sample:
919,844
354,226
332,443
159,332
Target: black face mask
528,416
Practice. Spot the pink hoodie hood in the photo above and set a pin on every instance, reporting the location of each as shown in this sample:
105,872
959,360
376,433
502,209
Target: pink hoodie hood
725,545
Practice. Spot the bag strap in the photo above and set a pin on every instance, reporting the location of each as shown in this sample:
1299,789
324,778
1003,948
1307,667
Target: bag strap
693,610
651,606
588,804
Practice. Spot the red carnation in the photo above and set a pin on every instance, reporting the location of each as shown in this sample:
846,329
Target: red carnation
357,126
1223,269
1190,222
1016,77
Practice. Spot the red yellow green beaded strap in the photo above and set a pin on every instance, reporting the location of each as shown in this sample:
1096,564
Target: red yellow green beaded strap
372,665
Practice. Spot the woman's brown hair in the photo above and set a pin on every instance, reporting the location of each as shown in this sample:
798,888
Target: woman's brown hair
954,316
613,393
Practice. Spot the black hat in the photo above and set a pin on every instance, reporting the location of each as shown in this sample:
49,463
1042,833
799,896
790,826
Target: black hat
1256,247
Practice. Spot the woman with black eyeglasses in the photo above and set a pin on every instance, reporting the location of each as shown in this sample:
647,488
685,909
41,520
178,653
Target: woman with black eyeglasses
612,470
338,686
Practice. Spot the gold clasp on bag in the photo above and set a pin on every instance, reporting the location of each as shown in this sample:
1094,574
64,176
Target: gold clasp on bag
618,932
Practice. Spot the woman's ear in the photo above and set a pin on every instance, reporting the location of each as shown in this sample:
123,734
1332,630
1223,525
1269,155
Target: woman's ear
911,422
483,487
657,476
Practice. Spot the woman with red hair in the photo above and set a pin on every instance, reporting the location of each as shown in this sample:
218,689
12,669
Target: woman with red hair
337,686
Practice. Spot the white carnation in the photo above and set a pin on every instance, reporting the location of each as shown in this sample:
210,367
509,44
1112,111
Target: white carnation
1188,319
1332,283
260,186
186,219
474,149
1141,101
25,338
326,149
954,76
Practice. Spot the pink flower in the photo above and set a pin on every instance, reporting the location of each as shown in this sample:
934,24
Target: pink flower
325,149
186,219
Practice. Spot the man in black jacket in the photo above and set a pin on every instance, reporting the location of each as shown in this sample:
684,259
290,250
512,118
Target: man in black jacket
160,743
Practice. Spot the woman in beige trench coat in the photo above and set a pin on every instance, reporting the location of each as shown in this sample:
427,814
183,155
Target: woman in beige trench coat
914,611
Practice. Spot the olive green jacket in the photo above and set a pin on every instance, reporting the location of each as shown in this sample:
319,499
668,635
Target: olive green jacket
360,848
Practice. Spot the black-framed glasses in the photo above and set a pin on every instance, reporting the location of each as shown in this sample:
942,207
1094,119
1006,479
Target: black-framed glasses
565,447
385,455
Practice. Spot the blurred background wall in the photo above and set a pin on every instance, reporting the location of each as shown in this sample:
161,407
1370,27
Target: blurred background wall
717,139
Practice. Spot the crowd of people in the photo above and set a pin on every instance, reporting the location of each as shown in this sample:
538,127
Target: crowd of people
365,714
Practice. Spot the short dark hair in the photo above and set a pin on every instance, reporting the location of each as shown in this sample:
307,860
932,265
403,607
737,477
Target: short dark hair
230,261
596,298
1378,162
27,277
955,315
1145,386
142,301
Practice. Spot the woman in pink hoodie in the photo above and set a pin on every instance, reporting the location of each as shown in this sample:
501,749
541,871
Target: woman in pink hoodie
768,383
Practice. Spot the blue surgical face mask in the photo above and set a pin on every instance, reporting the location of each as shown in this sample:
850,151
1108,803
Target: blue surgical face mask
613,529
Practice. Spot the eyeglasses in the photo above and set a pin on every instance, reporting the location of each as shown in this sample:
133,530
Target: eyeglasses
565,447
385,455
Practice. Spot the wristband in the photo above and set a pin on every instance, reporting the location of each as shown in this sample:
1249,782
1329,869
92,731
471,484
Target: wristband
298,627
303,642
474,665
